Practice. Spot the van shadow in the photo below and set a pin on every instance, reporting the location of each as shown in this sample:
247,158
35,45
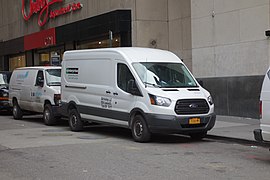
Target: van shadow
123,133
38,119
113,131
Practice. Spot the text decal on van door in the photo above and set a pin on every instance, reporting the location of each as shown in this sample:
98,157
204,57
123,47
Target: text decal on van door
72,73
106,102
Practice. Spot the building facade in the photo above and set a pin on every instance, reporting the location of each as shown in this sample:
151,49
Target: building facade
222,42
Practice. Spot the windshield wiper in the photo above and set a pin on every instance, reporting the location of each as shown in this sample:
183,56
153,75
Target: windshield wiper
155,85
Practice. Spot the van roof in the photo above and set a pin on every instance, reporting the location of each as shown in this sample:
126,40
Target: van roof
133,54
39,67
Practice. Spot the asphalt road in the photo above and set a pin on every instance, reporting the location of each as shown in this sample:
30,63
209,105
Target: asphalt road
29,150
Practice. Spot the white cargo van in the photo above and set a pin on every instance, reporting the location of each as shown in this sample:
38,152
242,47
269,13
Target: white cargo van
37,90
263,134
146,90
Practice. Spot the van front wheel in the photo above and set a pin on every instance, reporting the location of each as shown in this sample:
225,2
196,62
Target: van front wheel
140,131
48,115
17,111
75,122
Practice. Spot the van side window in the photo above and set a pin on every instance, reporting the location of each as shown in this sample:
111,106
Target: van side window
123,76
40,78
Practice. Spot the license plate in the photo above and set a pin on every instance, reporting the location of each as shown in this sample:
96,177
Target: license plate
194,121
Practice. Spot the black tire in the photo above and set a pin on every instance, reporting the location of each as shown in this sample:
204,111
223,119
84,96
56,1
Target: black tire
48,116
198,136
75,121
139,129
17,111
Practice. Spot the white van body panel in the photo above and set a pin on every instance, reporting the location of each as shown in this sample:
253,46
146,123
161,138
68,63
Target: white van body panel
90,82
29,96
265,99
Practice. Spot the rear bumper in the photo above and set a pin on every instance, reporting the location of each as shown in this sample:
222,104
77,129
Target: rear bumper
179,125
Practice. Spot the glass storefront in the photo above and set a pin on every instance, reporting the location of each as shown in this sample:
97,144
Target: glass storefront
16,61
103,43
52,56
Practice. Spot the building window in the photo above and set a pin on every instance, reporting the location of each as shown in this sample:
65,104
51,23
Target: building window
16,62
102,43
50,58
44,59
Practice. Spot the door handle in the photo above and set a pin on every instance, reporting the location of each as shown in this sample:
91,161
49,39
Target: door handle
108,92
115,93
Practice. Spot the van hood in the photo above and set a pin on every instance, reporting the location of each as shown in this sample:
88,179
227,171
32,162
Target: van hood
56,89
180,93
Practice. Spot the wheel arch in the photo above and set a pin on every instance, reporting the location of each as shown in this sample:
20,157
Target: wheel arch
14,99
47,102
71,105
133,113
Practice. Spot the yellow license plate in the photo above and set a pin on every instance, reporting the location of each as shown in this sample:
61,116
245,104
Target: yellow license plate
194,121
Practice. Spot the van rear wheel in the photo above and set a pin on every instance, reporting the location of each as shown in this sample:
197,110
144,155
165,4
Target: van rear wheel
17,111
140,131
48,115
75,122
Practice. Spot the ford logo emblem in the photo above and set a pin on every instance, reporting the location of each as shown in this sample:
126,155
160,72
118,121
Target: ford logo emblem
193,105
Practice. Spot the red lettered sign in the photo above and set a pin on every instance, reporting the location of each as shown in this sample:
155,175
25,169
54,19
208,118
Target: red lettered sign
30,7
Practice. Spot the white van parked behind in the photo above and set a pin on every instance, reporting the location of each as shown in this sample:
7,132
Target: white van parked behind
146,90
37,90
263,134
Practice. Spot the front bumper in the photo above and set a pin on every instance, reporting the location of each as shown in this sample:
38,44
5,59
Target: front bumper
179,125
258,136
4,105
56,110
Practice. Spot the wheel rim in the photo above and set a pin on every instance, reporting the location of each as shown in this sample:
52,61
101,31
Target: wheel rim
73,120
138,130
46,115
15,110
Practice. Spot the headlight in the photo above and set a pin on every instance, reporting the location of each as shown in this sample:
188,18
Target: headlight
5,94
210,100
159,101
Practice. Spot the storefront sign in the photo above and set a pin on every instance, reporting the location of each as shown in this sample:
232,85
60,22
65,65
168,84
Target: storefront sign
55,60
30,7
40,39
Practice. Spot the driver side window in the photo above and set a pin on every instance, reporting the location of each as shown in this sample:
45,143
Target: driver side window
40,78
123,76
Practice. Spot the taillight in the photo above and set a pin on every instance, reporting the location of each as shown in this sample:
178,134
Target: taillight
57,99
260,109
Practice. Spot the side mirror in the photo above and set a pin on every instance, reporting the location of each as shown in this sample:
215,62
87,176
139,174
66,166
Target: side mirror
132,88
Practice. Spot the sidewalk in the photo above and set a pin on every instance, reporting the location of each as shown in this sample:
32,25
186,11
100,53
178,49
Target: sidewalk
238,128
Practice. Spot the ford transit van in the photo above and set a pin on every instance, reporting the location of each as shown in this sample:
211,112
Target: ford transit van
36,90
263,134
145,90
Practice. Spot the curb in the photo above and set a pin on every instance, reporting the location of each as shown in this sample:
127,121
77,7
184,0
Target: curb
238,140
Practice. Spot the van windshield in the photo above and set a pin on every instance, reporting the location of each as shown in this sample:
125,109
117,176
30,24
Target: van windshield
53,77
164,75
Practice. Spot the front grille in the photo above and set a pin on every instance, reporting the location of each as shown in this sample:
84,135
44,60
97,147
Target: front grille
191,106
